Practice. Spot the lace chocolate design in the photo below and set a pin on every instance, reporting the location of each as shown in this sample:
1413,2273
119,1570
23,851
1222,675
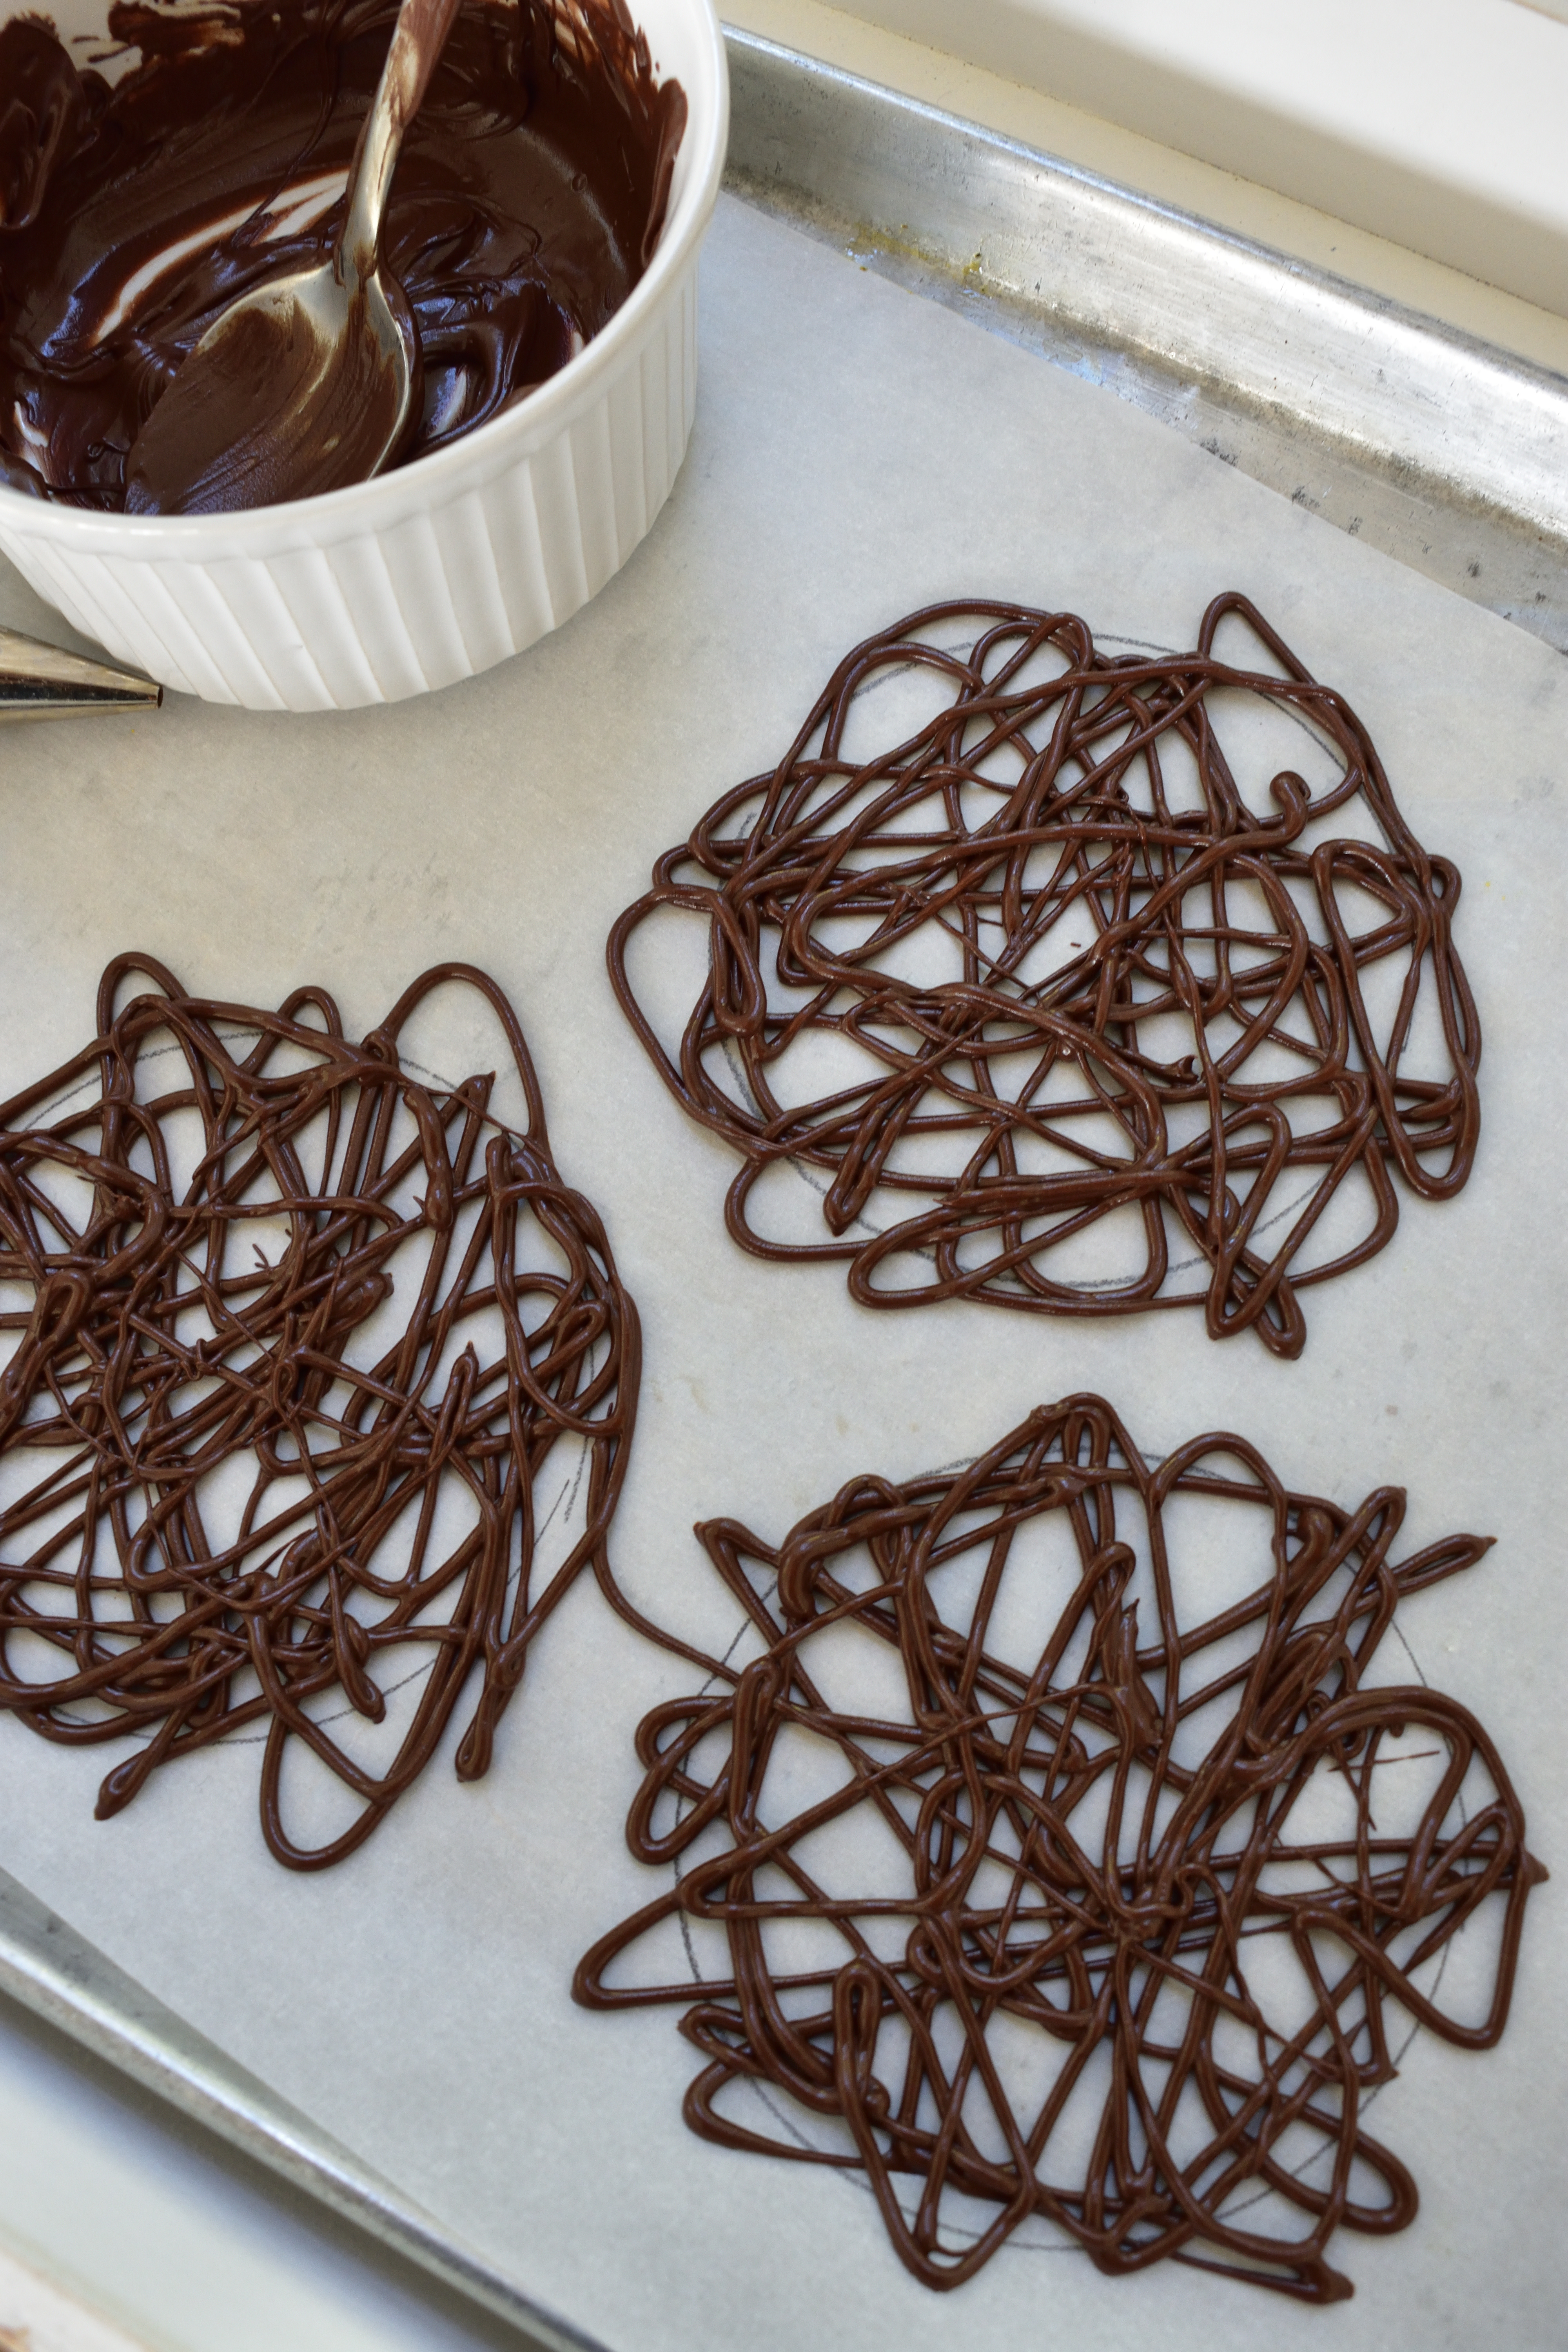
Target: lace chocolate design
306,1343
1053,1000
1052,1855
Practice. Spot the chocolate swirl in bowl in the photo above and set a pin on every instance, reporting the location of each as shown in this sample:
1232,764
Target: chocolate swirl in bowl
528,201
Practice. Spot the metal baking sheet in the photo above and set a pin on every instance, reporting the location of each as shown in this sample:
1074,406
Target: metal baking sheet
1441,449
66,1981
836,480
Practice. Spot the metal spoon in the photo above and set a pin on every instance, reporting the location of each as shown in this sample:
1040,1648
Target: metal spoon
313,380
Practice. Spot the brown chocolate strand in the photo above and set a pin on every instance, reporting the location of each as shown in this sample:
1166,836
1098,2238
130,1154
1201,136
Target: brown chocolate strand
203,1226
1043,964
1144,1870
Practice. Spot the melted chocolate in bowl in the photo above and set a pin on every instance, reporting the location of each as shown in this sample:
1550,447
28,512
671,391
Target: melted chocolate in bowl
529,198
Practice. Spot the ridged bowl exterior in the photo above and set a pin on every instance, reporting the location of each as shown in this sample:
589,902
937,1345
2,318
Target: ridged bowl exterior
439,570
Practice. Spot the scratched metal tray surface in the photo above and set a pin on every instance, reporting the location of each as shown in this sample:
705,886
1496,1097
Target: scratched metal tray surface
1450,454
1446,453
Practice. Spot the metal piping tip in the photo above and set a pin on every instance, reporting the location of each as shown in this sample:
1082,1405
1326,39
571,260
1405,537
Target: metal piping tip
39,681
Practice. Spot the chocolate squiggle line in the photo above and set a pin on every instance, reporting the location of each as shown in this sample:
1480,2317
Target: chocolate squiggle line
1215,1033
160,1348
1142,1863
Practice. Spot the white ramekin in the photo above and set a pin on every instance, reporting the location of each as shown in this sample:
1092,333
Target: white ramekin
437,570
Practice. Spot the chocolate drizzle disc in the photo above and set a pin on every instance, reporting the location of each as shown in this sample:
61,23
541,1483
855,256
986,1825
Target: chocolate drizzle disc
1048,1850
1073,982
319,1392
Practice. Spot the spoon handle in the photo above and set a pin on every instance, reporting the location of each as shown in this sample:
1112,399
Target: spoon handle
417,40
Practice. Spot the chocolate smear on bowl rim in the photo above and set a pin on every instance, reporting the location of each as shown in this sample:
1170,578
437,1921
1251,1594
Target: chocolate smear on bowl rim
528,199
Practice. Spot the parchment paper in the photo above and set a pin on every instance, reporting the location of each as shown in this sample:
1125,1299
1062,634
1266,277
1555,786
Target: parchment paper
858,453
